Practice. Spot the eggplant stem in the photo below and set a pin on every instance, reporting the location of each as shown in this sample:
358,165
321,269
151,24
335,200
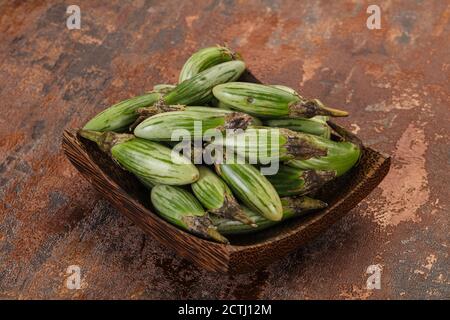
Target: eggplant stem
345,135
215,235
105,140
311,108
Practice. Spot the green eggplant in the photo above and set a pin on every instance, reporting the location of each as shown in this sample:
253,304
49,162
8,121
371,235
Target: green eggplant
265,144
150,161
289,181
204,59
252,188
195,122
292,207
216,197
198,89
121,115
340,157
270,102
180,208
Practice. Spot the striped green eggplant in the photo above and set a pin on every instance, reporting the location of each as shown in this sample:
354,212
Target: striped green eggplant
162,127
264,144
289,181
119,116
180,208
252,188
270,102
341,157
147,160
312,125
292,207
216,196
253,120
206,58
198,89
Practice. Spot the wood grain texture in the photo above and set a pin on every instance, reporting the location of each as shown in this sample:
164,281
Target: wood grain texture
245,252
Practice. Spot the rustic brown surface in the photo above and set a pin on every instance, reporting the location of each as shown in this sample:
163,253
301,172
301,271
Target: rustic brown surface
394,81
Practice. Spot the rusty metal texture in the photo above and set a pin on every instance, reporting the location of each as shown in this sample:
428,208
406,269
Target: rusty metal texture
394,81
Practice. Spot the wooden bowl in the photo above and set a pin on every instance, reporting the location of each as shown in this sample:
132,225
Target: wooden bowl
245,252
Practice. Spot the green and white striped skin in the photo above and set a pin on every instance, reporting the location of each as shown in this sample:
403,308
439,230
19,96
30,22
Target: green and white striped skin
198,89
204,59
289,181
311,126
341,157
286,88
121,115
161,127
182,209
148,112
292,207
163,87
252,188
216,197
154,162
255,99
264,145
150,161
267,101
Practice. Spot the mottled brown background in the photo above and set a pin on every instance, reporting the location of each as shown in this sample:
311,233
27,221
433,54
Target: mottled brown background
394,81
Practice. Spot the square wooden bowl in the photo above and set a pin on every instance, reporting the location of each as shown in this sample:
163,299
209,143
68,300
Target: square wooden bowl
245,252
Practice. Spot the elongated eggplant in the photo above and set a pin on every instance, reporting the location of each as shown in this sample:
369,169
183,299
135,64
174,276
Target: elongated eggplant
271,102
163,126
340,157
289,181
198,89
312,125
215,196
121,115
292,207
264,144
252,188
180,208
204,59
149,161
